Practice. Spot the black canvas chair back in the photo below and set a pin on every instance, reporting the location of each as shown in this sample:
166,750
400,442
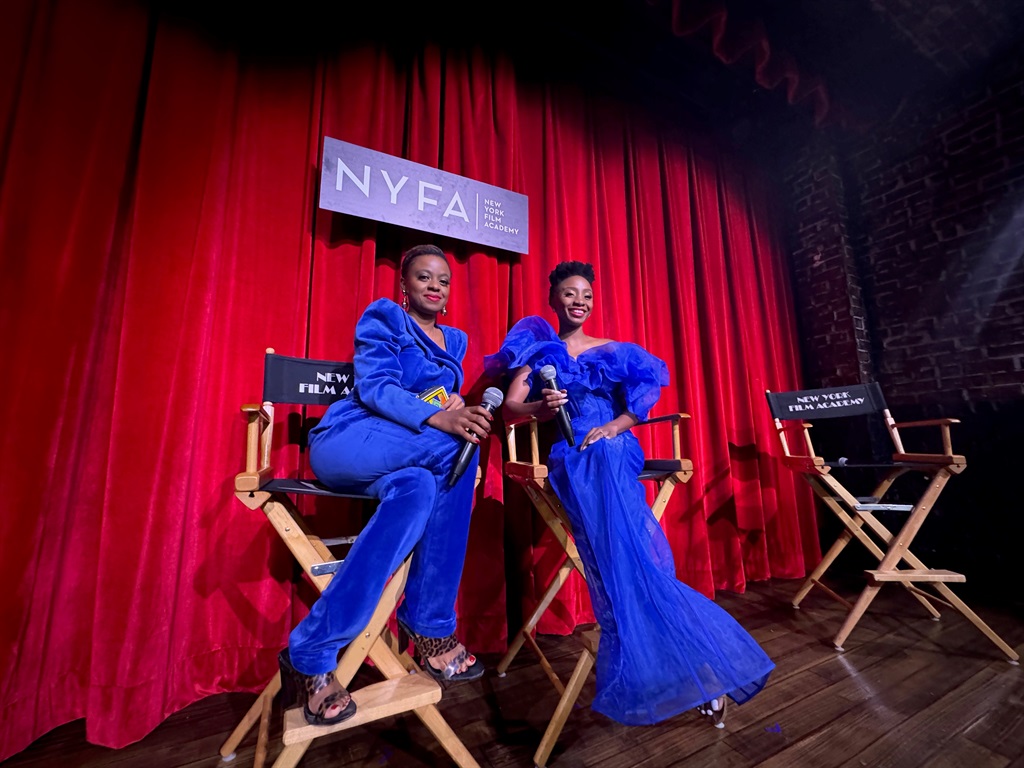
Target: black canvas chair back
302,381
854,432
827,403
795,414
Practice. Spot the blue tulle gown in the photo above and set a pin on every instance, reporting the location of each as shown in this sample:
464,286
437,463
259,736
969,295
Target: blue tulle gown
665,648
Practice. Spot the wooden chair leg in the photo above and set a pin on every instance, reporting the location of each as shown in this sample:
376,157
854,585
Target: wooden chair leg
526,631
829,490
814,578
393,668
899,546
263,735
258,712
291,755
866,596
565,705
971,616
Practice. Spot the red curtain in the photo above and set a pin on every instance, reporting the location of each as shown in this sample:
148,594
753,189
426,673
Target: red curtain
159,230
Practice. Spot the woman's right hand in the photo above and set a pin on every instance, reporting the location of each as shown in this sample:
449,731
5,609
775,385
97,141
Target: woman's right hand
471,422
554,398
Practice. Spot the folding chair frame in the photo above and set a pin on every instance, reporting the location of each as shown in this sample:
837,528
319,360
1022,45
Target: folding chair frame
405,687
533,477
860,523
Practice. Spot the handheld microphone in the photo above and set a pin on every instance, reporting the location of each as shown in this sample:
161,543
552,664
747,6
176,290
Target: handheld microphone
564,422
491,400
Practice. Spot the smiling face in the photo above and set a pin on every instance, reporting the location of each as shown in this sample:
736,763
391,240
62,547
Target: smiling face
573,301
426,281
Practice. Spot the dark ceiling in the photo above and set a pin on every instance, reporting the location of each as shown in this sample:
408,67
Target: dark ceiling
873,56
869,57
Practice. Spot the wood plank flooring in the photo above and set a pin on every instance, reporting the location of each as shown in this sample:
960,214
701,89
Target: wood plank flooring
907,693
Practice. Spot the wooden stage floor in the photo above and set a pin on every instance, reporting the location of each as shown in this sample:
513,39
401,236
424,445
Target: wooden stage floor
907,692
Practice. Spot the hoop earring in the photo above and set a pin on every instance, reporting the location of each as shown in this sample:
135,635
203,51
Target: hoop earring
405,301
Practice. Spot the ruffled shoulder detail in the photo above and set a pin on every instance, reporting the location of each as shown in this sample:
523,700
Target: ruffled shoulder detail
533,342
638,374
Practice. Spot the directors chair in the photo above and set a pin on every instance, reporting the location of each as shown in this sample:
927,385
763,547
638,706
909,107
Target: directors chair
794,413
301,381
532,475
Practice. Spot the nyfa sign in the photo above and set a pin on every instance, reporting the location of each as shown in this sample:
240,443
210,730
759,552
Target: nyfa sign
372,185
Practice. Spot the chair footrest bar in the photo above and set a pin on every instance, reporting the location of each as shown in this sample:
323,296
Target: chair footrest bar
391,697
322,569
884,507
911,575
339,541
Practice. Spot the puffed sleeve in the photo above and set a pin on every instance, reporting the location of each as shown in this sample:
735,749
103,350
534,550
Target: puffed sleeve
635,374
647,374
377,367
526,342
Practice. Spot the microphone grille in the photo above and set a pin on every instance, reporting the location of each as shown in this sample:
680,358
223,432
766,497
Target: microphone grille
548,372
492,396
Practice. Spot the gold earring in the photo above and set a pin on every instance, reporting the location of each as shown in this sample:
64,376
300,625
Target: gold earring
444,310
405,301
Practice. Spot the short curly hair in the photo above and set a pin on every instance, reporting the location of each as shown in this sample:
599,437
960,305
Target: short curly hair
420,250
567,269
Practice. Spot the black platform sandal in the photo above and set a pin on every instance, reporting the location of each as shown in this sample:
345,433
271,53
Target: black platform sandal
431,647
297,687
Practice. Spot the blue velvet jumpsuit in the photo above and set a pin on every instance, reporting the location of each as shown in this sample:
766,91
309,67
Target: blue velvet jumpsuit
377,442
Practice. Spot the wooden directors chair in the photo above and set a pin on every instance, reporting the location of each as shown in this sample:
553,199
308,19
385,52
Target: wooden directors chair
794,413
532,475
300,381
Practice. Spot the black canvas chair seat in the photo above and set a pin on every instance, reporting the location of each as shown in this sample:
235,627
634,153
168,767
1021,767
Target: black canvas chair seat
795,413
311,487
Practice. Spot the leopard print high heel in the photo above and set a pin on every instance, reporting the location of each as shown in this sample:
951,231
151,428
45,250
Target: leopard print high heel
299,688
431,647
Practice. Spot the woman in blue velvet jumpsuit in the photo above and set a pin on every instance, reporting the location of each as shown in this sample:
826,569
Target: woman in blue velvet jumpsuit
386,442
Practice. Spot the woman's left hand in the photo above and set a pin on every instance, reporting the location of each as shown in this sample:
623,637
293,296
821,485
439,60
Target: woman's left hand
454,403
599,433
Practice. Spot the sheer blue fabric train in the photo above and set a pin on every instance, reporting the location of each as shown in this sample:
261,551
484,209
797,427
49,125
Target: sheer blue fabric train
665,648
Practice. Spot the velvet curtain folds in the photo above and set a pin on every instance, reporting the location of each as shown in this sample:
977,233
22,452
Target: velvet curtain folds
159,230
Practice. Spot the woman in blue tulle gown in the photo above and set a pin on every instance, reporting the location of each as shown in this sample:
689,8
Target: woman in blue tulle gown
665,648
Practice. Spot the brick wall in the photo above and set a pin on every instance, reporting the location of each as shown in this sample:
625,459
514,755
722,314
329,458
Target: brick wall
940,200
907,248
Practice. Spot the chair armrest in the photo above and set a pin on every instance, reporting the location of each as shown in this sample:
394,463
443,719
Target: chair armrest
927,423
673,417
510,438
804,428
512,423
257,409
522,470
258,439
942,424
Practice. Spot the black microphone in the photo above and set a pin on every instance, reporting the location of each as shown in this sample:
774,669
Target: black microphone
564,422
491,400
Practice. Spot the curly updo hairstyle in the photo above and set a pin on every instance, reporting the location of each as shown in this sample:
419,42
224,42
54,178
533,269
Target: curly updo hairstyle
567,269
420,250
